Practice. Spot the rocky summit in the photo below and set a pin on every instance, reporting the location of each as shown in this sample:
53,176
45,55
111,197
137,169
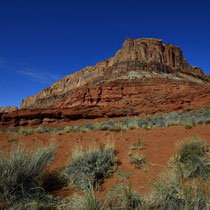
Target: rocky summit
137,63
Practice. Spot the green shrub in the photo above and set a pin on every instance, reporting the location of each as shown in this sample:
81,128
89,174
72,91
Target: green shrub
171,192
91,166
122,197
21,170
192,158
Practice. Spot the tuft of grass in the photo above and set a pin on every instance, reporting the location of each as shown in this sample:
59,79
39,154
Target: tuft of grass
21,171
60,133
87,201
146,127
139,145
11,140
44,203
187,127
92,165
192,158
123,175
137,159
171,192
122,196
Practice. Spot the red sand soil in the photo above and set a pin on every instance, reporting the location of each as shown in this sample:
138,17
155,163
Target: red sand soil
160,145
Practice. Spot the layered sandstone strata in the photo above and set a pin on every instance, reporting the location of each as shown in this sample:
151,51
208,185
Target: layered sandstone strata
8,109
136,59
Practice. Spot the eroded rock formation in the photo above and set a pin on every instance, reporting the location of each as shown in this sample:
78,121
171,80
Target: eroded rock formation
8,109
137,59
116,99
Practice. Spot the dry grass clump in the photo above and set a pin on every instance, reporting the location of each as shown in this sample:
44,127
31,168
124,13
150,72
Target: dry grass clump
21,171
172,192
138,146
122,196
87,200
185,185
91,165
192,158
137,159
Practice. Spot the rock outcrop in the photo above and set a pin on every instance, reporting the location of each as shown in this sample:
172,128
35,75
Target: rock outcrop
117,99
207,77
8,109
137,59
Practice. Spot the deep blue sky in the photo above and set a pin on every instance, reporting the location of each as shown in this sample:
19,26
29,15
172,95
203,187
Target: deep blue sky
42,41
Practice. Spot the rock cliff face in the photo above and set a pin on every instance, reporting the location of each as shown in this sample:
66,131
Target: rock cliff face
117,99
207,77
137,59
8,109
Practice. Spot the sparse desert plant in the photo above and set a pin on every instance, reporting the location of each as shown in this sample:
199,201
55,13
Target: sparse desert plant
188,126
92,165
192,158
123,197
26,131
44,203
97,126
174,193
39,129
137,159
132,124
87,201
123,175
60,133
146,127
139,145
21,170
67,129
11,140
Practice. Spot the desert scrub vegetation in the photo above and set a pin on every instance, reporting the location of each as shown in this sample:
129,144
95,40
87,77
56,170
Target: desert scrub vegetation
137,146
172,192
11,140
185,185
91,166
192,158
87,200
122,196
137,159
187,119
21,172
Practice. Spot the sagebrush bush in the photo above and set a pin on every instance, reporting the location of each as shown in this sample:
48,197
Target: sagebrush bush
91,166
174,193
192,158
21,170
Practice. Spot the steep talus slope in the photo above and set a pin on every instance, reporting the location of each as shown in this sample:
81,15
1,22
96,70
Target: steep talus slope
136,59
